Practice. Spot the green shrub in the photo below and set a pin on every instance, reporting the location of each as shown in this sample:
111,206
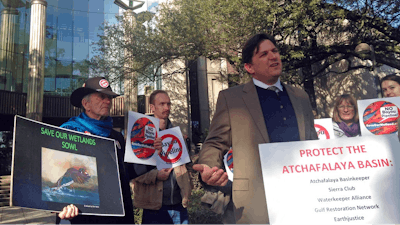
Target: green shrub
199,214
138,215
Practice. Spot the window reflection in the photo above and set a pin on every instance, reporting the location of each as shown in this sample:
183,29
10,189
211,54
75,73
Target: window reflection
71,27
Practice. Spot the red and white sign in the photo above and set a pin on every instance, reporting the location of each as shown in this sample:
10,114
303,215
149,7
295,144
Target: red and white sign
103,83
343,181
141,133
228,162
324,128
174,152
379,116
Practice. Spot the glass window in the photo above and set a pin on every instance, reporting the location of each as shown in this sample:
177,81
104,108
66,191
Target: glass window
96,6
81,5
95,22
81,68
50,76
77,82
81,36
63,78
63,86
64,31
64,69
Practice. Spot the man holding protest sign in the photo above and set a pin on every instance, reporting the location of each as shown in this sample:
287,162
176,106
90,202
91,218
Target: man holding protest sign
162,194
261,111
95,98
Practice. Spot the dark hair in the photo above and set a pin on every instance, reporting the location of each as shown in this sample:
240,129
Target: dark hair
392,77
254,44
339,100
154,93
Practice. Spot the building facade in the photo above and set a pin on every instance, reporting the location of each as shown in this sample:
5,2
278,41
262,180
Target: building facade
53,38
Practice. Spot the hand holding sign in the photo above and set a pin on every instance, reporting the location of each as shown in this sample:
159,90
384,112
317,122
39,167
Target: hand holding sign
158,145
163,174
68,212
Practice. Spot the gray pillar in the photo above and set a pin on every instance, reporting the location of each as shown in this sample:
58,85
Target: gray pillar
34,102
9,22
203,93
130,80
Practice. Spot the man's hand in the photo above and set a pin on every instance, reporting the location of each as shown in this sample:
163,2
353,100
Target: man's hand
163,174
68,212
212,176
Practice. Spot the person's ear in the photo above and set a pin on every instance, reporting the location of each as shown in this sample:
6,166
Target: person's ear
249,68
85,104
152,108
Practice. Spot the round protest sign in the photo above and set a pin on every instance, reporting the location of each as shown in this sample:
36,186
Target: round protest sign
322,132
171,148
143,134
229,160
381,117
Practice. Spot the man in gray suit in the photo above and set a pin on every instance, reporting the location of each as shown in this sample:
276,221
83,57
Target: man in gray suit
263,110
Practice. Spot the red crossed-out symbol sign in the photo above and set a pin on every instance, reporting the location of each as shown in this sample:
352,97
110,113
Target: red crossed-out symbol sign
103,83
322,130
174,140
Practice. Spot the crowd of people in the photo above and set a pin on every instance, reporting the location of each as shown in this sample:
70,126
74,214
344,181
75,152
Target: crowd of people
345,112
264,110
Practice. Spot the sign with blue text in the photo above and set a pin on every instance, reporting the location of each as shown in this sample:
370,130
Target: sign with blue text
53,167
379,116
141,134
340,181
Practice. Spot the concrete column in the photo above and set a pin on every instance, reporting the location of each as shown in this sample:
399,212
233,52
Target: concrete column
203,93
9,21
130,80
34,102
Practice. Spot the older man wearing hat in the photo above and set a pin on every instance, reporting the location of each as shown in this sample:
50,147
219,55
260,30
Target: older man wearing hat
95,99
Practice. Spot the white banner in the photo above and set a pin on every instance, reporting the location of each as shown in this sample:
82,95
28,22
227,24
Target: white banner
378,116
341,181
174,152
141,133
324,128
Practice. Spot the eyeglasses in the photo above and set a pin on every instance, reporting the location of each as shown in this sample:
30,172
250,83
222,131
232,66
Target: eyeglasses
349,107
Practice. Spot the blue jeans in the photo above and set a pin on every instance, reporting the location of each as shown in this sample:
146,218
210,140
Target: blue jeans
168,214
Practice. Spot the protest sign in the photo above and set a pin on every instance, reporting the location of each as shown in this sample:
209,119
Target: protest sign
228,163
378,116
340,181
174,152
53,167
141,132
324,128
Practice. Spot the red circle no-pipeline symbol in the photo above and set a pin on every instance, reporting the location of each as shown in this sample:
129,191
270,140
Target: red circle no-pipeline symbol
174,140
322,129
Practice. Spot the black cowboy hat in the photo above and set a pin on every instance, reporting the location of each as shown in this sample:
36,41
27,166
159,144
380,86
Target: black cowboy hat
95,84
